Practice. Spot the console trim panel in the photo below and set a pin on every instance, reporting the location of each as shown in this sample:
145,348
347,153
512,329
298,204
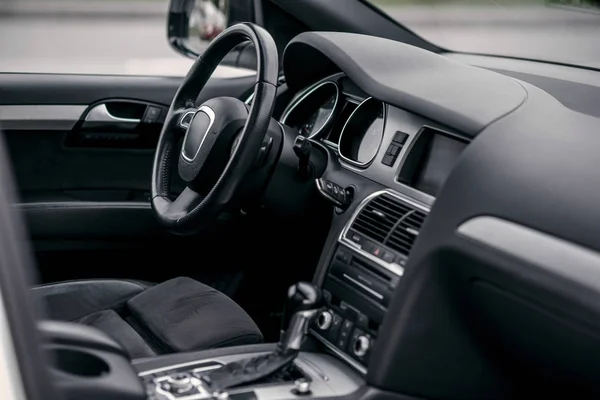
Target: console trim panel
356,365
329,376
217,364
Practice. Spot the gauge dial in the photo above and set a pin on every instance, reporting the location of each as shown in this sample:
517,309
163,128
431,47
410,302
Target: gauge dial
363,132
319,118
313,110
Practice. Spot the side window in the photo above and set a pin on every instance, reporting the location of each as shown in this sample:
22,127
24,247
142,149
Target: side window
122,37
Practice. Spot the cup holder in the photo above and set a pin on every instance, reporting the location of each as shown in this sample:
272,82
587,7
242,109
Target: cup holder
76,362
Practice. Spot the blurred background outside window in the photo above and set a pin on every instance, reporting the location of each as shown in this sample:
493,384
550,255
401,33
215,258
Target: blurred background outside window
129,36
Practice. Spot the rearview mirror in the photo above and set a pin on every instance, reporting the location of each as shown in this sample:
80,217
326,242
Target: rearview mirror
193,24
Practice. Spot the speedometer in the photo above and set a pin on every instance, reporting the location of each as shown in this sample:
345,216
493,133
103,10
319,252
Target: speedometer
312,112
363,132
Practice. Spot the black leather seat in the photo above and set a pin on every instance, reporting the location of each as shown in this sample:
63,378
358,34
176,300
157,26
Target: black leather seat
147,320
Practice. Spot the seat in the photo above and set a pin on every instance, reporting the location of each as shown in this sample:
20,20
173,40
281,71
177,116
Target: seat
147,320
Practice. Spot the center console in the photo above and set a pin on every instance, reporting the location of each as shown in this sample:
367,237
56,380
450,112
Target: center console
367,265
313,375
283,371
345,315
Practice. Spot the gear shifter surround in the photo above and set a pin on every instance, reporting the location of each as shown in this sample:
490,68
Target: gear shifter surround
303,303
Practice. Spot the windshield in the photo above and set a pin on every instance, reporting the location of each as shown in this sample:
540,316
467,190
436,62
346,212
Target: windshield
565,31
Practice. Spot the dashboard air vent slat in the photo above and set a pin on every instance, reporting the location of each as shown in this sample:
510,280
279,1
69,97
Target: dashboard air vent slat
403,237
377,219
372,231
388,220
391,205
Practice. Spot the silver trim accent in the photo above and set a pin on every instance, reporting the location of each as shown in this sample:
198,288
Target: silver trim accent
249,99
353,363
296,332
175,366
572,262
331,377
364,344
186,126
199,392
311,365
302,386
327,195
46,117
101,114
356,163
207,368
326,322
392,267
310,90
211,117
368,289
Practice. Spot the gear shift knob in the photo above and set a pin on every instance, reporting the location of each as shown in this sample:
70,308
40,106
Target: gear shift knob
303,302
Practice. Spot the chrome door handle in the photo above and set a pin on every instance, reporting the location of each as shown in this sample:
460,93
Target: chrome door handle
101,114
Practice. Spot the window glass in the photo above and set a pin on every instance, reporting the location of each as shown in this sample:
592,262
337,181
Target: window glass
565,31
88,37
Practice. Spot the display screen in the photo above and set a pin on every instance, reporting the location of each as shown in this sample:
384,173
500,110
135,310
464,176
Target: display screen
431,160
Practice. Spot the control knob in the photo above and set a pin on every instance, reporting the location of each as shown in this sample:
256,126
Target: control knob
302,387
324,320
180,383
361,345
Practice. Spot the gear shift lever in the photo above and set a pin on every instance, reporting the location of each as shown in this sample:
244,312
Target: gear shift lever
303,303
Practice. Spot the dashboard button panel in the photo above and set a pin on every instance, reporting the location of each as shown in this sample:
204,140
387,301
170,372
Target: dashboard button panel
394,149
400,138
338,195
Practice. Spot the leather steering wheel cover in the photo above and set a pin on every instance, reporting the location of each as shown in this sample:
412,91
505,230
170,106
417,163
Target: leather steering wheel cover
252,134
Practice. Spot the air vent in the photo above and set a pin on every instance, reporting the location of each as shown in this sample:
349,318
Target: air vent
377,219
389,221
405,234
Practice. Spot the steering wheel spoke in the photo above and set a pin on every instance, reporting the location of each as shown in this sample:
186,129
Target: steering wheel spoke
185,117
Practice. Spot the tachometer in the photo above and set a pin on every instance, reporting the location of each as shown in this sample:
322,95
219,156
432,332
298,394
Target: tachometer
312,112
318,119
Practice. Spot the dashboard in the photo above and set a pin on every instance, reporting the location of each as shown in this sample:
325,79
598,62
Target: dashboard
374,139
410,157
464,260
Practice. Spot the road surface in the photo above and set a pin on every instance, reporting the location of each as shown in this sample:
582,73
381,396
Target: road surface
136,44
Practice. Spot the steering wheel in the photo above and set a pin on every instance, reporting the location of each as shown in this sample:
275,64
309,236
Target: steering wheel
215,156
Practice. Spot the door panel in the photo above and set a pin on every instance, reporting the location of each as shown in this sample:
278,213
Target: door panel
82,149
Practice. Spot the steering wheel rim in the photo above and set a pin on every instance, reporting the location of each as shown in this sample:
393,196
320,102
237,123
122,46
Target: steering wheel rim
191,211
